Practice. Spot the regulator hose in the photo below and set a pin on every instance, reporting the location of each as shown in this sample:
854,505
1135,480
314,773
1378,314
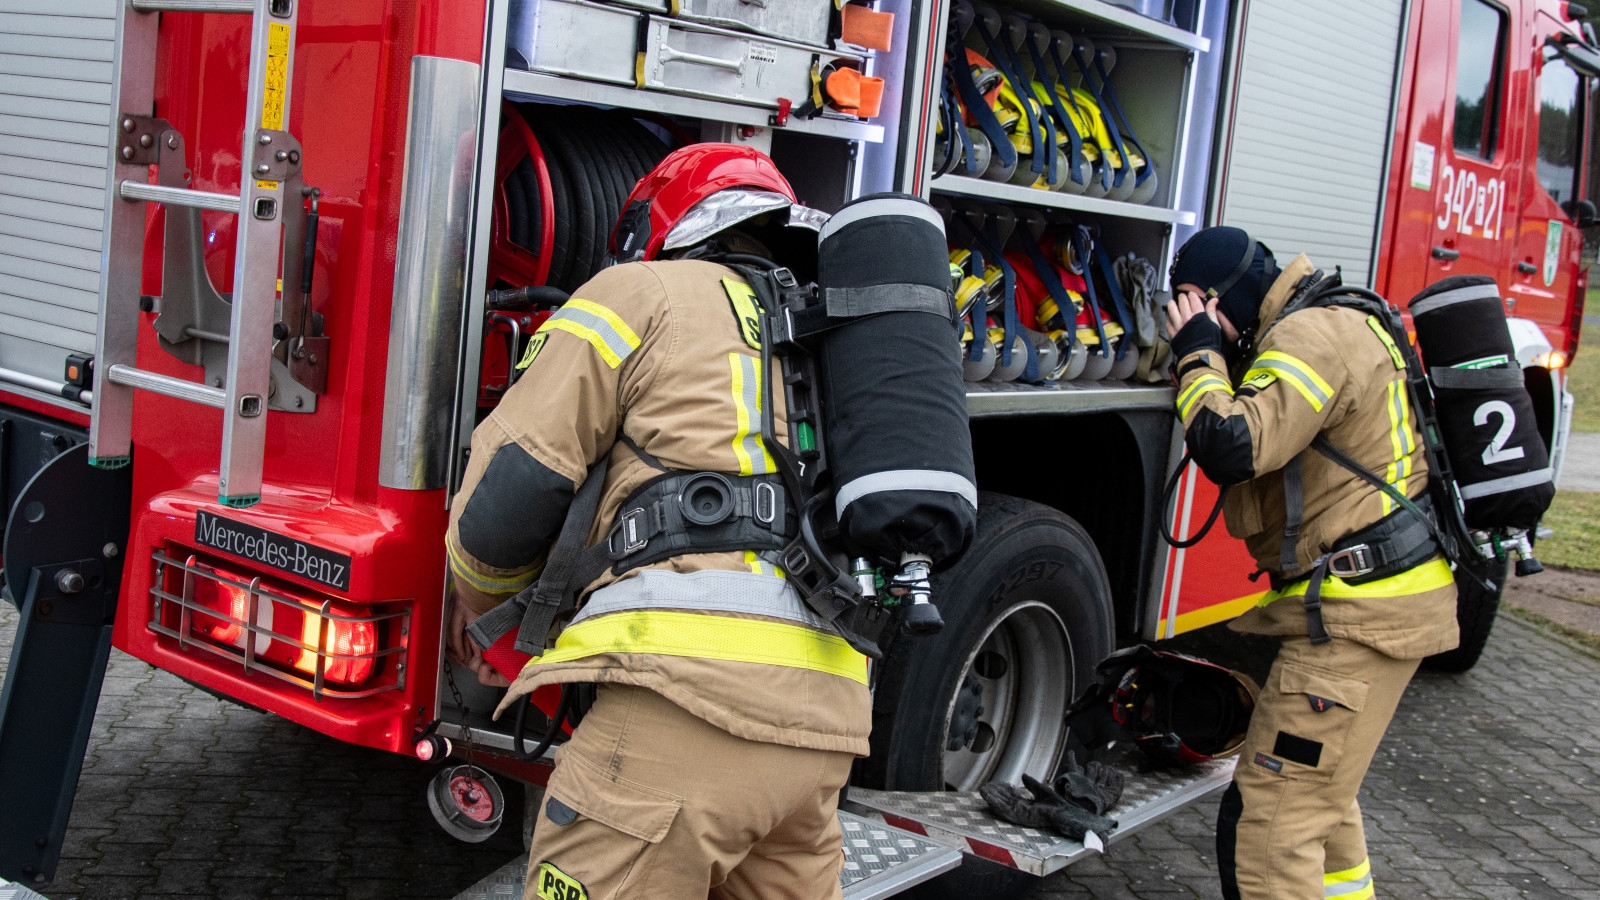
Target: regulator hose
569,699
1167,508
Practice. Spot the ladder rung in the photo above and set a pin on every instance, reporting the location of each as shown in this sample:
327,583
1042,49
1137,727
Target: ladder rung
155,193
179,388
198,6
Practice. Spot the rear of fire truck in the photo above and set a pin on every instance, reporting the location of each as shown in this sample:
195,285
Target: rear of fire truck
265,263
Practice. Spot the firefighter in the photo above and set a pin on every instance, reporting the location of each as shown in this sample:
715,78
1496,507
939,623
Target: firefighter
1359,591
727,714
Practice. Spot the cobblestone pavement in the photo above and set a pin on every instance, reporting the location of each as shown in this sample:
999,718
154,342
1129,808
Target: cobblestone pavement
1486,787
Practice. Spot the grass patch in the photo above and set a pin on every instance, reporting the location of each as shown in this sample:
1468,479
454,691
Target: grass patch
1583,379
1583,639
1575,519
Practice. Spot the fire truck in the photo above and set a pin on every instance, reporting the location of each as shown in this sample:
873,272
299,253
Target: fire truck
265,263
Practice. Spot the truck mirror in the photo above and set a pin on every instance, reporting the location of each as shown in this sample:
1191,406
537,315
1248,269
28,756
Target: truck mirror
1582,213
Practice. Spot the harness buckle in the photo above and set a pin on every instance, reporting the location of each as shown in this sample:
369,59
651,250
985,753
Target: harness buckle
629,529
766,503
1352,562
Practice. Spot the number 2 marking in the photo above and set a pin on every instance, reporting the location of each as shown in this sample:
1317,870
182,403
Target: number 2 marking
1497,451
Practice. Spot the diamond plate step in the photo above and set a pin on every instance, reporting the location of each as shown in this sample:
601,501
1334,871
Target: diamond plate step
962,820
879,861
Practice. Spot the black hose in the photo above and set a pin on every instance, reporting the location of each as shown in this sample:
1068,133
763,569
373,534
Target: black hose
1167,508
563,709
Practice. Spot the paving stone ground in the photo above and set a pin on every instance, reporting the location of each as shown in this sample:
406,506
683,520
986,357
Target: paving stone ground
1485,788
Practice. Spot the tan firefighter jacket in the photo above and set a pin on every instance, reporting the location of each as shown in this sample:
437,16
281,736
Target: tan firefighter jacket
1318,371
667,354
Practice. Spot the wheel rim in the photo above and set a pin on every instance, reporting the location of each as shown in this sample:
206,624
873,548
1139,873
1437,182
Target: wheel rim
1024,666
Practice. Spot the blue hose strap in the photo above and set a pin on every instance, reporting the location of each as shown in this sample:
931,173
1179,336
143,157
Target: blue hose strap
973,98
1066,82
1052,282
1006,72
958,125
1116,109
1111,123
1024,90
1080,243
1074,140
1124,314
1030,372
978,315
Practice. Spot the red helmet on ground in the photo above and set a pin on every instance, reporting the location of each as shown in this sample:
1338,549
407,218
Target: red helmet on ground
694,193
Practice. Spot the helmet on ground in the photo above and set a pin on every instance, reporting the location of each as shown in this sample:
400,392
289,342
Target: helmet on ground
698,191
1177,708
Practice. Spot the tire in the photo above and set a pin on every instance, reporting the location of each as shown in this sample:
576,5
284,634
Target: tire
1027,614
1476,607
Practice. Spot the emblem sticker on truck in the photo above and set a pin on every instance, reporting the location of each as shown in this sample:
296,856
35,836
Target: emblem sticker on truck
269,548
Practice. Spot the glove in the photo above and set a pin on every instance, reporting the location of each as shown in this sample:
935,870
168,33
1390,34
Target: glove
1041,807
1199,333
1096,788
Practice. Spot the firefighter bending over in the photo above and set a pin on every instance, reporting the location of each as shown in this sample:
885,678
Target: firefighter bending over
727,712
1359,591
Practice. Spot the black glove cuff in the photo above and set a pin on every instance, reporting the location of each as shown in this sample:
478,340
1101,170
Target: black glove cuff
1199,333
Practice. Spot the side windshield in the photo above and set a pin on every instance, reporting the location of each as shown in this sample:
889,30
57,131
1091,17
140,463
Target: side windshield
1479,68
1562,114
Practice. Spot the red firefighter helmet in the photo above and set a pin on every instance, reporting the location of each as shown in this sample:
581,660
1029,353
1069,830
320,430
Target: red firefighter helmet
694,193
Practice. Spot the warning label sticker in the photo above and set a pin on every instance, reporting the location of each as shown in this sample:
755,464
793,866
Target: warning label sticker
275,95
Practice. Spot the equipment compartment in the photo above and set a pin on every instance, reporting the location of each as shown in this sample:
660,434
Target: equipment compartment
801,21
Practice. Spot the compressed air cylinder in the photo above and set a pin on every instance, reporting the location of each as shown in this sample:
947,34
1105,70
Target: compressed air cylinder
1485,413
894,406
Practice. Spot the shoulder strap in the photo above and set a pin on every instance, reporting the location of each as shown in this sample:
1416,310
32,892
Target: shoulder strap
554,593
1326,448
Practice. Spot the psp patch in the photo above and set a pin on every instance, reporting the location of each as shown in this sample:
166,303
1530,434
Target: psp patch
555,884
535,344
1260,380
279,551
746,311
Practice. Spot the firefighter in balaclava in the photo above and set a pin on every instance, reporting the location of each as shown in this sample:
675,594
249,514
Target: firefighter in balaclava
1359,591
727,713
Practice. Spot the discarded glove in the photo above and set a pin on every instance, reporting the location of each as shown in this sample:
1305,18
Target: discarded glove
1096,787
1040,806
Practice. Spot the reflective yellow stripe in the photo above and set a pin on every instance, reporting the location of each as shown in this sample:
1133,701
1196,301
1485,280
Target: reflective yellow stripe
1205,384
747,444
603,329
1399,441
761,566
703,636
488,584
1430,576
1294,371
1354,883
1388,342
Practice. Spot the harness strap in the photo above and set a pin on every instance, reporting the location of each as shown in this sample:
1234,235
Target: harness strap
1294,515
1316,628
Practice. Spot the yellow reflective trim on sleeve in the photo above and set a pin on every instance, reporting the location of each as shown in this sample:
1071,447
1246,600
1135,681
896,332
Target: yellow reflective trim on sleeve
1354,883
704,636
748,447
1295,372
603,329
1430,576
1388,342
488,584
1205,384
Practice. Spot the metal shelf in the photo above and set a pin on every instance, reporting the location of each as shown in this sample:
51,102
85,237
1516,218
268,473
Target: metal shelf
995,190
1111,14
522,85
990,399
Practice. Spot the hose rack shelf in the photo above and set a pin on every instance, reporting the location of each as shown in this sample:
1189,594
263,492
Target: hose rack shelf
1027,196
520,85
1120,16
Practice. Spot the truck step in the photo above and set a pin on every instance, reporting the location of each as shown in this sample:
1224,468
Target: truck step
963,820
879,861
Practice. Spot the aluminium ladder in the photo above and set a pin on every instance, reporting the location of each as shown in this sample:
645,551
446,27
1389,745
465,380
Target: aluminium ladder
138,141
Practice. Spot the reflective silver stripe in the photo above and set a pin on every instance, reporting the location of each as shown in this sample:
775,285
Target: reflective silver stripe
905,480
704,591
1502,485
749,443
1459,295
882,206
1299,374
1347,887
613,339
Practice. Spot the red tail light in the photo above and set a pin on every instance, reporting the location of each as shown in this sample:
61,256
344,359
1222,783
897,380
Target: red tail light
281,627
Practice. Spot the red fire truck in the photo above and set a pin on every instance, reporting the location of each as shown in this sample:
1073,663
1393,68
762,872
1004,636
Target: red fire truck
265,263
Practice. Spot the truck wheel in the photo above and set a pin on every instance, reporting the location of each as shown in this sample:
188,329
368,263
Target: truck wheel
1476,607
1027,615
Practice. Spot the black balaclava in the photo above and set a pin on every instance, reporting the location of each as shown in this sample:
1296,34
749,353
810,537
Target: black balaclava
1228,261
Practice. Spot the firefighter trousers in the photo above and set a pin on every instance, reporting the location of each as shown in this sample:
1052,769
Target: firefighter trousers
1289,827
648,800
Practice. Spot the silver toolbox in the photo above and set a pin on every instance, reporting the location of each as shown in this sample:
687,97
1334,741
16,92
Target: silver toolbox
802,21
598,42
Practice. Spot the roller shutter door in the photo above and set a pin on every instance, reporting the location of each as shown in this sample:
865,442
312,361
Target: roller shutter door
55,116
1311,126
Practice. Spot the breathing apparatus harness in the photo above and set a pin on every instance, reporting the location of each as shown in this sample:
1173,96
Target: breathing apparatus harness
1405,538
